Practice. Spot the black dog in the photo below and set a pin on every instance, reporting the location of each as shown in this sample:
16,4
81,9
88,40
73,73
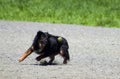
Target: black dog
47,45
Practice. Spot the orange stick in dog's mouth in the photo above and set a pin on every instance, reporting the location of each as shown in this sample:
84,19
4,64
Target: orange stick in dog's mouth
26,54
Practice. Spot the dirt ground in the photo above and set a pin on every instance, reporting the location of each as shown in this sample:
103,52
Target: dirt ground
94,52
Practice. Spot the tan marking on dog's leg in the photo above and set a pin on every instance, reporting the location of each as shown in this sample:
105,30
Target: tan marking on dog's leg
61,52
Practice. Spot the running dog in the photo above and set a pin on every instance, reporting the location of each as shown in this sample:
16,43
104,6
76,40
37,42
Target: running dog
48,45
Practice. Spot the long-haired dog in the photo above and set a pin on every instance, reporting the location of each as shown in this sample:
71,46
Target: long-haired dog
47,45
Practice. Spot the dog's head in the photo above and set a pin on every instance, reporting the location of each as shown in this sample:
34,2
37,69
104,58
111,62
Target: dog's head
40,41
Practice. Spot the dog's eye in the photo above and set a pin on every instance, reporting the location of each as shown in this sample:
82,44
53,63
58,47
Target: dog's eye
41,42
45,40
42,37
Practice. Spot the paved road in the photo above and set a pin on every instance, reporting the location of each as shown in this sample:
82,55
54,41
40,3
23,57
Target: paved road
94,51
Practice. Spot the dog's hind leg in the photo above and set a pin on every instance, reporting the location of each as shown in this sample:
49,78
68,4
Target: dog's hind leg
65,55
51,59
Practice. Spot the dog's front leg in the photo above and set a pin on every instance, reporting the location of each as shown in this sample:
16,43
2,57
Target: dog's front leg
41,57
51,59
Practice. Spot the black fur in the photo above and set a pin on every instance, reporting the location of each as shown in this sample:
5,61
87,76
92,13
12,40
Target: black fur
47,45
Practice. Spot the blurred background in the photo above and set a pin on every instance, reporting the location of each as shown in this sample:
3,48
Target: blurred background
105,13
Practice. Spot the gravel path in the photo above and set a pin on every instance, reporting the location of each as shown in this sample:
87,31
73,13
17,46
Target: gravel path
94,51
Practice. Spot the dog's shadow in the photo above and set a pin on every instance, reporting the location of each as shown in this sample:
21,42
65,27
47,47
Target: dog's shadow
45,63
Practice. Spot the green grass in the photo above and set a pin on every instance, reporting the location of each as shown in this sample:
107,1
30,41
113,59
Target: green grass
104,13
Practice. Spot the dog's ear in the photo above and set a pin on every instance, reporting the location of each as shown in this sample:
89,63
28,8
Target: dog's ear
39,33
36,39
44,35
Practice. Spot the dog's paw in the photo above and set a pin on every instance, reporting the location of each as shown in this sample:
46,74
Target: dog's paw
37,58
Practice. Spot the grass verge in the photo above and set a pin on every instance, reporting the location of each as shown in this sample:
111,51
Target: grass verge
104,13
